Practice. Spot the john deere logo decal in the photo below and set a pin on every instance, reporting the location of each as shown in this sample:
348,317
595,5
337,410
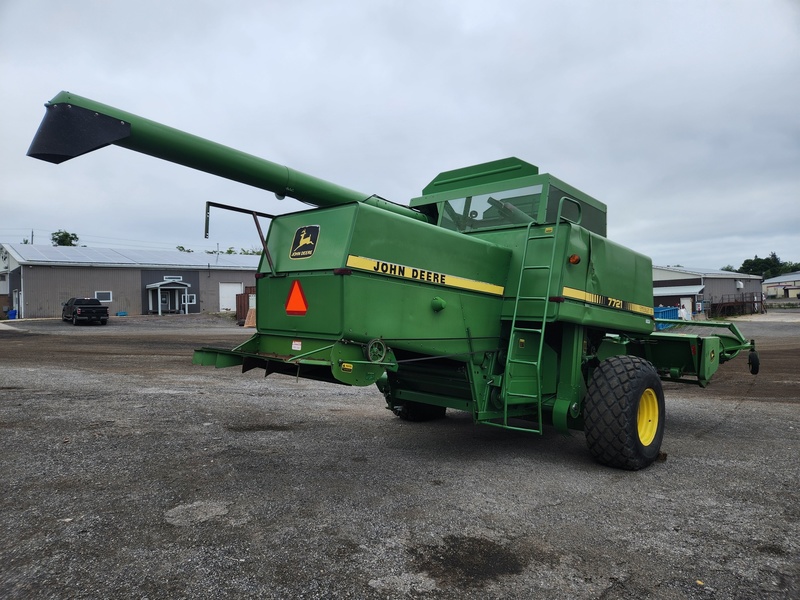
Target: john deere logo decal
305,241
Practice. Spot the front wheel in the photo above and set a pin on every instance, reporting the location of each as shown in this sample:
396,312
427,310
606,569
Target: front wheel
74,320
624,413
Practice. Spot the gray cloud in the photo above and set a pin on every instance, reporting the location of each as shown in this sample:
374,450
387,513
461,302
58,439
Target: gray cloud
681,116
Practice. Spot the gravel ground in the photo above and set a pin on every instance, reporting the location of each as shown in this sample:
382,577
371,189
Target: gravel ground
129,473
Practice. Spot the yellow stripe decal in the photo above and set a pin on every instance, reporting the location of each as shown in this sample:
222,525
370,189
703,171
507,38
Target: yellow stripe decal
615,303
423,275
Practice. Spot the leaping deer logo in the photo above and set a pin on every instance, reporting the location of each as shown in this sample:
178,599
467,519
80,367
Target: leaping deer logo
305,240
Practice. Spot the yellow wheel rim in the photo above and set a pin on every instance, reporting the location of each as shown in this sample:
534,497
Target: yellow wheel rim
647,420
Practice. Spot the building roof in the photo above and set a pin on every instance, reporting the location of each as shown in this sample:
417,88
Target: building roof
80,256
785,278
678,290
701,272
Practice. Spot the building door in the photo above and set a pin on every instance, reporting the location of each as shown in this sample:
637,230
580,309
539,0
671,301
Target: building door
227,296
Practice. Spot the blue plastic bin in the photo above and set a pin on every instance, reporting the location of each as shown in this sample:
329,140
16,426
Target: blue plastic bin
12,314
665,312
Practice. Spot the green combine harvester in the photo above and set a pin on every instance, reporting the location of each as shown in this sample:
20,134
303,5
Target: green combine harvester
495,292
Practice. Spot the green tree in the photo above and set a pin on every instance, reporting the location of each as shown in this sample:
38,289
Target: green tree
769,267
182,249
64,238
251,251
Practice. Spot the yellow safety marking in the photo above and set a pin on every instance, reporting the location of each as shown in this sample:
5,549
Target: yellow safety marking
606,301
424,275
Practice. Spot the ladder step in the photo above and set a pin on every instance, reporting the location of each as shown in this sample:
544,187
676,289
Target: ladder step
513,399
527,330
521,395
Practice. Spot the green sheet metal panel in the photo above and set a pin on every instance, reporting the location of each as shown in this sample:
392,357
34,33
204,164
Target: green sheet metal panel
323,297
427,248
439,293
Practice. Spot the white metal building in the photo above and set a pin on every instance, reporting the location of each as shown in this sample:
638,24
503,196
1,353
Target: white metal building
783,286
706,290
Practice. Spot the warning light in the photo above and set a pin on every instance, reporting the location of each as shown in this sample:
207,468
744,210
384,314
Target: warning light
296,301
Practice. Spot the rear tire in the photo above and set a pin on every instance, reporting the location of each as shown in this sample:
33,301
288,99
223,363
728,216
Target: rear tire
624,413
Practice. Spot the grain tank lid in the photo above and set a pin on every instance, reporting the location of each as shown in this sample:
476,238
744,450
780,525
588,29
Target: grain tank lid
485,173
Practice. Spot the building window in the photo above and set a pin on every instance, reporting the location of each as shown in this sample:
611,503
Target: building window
189,299
103,296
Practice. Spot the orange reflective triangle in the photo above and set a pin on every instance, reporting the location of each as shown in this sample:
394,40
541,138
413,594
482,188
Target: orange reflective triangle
296,302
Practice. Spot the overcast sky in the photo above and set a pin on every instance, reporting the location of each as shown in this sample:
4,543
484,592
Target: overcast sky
683,116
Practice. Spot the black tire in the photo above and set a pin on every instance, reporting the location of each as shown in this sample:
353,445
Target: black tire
103,321
624,413
418,412
753,362
74,320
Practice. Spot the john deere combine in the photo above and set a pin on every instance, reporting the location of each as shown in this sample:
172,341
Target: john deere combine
494,292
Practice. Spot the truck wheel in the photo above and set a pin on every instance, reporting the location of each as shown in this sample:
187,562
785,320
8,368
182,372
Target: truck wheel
418,412
624,413
74,320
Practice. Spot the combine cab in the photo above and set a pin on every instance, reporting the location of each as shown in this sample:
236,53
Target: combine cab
495,292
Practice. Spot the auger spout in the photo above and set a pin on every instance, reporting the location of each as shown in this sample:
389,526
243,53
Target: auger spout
73,126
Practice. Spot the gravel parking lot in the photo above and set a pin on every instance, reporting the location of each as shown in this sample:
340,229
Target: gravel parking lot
129,473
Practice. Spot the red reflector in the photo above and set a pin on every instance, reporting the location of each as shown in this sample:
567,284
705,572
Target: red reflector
296,301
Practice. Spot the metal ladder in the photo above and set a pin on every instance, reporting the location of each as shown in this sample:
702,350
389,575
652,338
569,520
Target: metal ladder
530,367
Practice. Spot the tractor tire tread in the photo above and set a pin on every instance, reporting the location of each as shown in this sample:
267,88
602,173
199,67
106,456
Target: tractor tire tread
611,409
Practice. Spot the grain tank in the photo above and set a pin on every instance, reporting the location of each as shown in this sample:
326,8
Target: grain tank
496,292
